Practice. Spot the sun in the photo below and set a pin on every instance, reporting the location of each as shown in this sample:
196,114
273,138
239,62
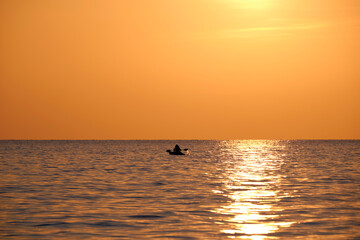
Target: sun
252,4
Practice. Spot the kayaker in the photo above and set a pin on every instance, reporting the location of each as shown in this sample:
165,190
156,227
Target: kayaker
177,149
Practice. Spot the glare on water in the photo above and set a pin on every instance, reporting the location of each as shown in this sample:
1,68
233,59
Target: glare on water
251,183
223,190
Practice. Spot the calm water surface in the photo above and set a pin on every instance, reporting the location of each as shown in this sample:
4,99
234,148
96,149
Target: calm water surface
222,190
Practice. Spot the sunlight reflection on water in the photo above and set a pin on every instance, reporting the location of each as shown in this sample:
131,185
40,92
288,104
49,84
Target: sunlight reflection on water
223,190
251,184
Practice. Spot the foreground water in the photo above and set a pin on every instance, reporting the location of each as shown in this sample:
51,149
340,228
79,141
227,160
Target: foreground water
222,190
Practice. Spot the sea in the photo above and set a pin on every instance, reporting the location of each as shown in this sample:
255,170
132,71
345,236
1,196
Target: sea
238,189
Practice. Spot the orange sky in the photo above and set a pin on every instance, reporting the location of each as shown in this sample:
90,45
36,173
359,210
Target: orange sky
179,69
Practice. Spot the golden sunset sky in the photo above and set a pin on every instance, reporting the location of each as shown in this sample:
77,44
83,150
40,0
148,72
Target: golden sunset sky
180,69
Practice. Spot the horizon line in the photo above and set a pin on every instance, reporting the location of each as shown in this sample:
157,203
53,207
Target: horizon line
194,139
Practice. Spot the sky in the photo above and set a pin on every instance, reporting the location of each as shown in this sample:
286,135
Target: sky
180,69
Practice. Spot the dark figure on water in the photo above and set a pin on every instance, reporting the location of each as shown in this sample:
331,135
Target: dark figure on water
177,149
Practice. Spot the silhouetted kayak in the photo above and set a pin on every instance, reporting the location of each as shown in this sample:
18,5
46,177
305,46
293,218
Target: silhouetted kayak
177,153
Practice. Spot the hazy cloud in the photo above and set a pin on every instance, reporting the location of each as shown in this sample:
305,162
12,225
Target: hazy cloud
275,30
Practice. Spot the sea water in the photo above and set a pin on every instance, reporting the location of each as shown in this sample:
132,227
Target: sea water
221,190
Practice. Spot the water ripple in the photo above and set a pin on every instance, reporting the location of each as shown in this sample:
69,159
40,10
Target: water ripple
222,190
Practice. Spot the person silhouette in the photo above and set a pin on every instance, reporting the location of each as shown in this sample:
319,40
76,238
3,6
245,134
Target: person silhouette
177,149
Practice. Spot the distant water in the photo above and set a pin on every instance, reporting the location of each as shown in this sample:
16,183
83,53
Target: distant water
222,190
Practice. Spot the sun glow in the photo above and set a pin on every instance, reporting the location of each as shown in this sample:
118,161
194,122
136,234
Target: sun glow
242,69
252,4
254,209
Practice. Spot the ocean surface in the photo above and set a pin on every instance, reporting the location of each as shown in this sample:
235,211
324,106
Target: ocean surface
221,190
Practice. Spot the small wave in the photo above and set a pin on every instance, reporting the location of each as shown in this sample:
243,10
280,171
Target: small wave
110,223
146,216
316,223
158,183
239,189
199,213
52,224
109,169
178,237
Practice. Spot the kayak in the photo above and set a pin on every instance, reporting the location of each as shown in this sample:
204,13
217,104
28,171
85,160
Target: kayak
177,153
